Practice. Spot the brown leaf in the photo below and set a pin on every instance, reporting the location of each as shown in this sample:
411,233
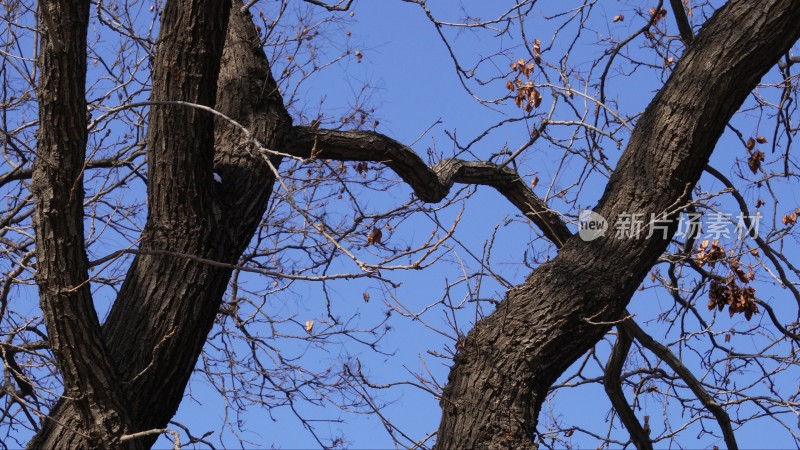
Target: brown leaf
374,236
618,18
727,338
755,160
534,181
309,326
759,203
510,85
750,144
366,297
761,140
528,70
789,219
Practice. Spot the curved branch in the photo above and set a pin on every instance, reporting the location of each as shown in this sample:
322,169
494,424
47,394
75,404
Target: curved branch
611,383
431,185
692,382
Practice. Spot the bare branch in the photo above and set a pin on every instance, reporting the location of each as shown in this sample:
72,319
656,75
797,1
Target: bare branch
176,437
335,7
768,251
429,184
684,27
611,383
692,382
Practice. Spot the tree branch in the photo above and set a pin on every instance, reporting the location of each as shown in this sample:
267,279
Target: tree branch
24,173
431,185
752,231
682,371
684,27
611,383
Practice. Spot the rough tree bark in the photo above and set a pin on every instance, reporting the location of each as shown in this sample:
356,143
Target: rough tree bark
90,381
167,305
511,358
160,320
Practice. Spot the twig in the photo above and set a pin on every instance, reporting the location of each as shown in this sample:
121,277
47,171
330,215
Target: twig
611,383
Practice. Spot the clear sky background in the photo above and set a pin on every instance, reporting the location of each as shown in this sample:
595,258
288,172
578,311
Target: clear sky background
419,101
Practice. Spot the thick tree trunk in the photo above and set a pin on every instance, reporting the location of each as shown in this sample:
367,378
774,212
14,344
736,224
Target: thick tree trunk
167,305
511,358
90,380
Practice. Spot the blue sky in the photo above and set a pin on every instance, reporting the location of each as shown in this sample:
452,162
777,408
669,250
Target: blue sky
418,99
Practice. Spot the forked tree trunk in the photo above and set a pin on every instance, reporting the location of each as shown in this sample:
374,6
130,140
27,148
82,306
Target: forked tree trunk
167,305
511,358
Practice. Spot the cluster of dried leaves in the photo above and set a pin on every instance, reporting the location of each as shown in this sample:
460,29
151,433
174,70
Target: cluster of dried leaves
790,219
756,156
739,299
655,16
527,96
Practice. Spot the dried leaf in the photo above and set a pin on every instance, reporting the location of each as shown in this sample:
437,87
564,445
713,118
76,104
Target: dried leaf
790,219
761,140
537,98
366,297
534,181
750,144
528,70
359,55
759,203
309,326
618,18
374,236
755,160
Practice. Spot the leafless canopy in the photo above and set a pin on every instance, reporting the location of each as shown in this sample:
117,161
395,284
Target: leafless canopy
186,216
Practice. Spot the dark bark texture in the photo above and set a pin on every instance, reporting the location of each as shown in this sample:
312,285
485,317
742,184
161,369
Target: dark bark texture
167,305
90,381
130,374
511,358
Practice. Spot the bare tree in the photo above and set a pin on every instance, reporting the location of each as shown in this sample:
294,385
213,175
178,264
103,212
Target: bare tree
240,178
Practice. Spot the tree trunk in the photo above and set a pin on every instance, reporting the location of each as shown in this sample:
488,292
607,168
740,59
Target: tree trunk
510,359
62,269
167,305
